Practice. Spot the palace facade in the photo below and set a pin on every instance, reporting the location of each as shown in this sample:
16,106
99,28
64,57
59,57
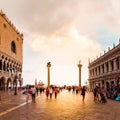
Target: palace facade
105,70
11,54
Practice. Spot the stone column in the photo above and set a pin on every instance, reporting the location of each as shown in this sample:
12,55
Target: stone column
48,66
109,66
92,72
105,67
97,71
5,84
115,64
79,66
2,65
6,66
101,70
119,62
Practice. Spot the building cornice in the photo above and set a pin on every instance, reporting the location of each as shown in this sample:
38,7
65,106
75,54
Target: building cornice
11,24
106,55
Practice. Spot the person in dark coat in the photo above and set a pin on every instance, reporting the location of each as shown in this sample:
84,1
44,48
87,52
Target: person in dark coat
83,93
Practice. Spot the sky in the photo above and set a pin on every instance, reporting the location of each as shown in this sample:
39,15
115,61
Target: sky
63,32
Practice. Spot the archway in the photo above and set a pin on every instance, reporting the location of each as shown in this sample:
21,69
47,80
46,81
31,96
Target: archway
107,85
118,81
2,83
112,82
103,86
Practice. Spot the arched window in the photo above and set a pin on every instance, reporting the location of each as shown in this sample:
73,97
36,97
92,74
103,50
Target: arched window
13,47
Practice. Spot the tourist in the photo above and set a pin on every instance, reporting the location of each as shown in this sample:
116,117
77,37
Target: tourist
47,92
33,90
37,89
51,92
95,93
83,93
56,92
27,94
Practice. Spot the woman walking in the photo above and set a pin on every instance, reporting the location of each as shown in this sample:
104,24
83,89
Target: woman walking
47,92
56,92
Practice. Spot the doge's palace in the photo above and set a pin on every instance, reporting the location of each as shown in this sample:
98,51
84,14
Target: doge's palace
11,54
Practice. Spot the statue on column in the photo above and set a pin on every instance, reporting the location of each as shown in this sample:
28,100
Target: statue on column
48,66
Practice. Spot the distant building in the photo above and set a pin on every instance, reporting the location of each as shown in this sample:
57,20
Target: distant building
105,70
11,54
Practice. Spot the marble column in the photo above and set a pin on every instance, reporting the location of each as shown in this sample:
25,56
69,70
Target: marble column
48,66
79,66
115,64
105,66
109,66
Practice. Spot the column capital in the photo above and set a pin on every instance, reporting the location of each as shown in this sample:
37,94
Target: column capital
79,65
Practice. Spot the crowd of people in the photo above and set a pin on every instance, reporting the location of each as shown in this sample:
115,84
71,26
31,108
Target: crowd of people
113,91
52,90
33,92
99,93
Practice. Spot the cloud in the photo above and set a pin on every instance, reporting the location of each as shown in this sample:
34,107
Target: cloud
46,17
62,31
63,48
71,44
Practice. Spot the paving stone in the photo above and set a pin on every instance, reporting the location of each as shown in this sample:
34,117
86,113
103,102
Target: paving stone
67,106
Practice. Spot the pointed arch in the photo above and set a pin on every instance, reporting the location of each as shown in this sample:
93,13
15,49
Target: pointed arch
2,83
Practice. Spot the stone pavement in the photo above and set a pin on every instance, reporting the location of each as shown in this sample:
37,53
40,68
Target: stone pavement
9,100
67,106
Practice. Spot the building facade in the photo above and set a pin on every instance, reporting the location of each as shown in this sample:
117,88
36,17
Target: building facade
11,54
105,70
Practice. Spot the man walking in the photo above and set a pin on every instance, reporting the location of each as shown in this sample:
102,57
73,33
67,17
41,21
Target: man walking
33,90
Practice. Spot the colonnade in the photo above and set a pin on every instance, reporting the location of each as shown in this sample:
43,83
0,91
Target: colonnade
9,70
106,67
105,70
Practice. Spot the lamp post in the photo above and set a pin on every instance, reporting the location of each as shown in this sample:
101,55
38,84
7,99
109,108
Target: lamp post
0,96
15,83
79,66
48,66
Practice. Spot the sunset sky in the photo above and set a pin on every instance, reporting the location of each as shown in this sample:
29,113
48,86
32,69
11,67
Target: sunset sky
63,32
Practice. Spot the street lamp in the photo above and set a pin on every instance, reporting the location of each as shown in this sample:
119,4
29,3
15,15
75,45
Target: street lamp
15,83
